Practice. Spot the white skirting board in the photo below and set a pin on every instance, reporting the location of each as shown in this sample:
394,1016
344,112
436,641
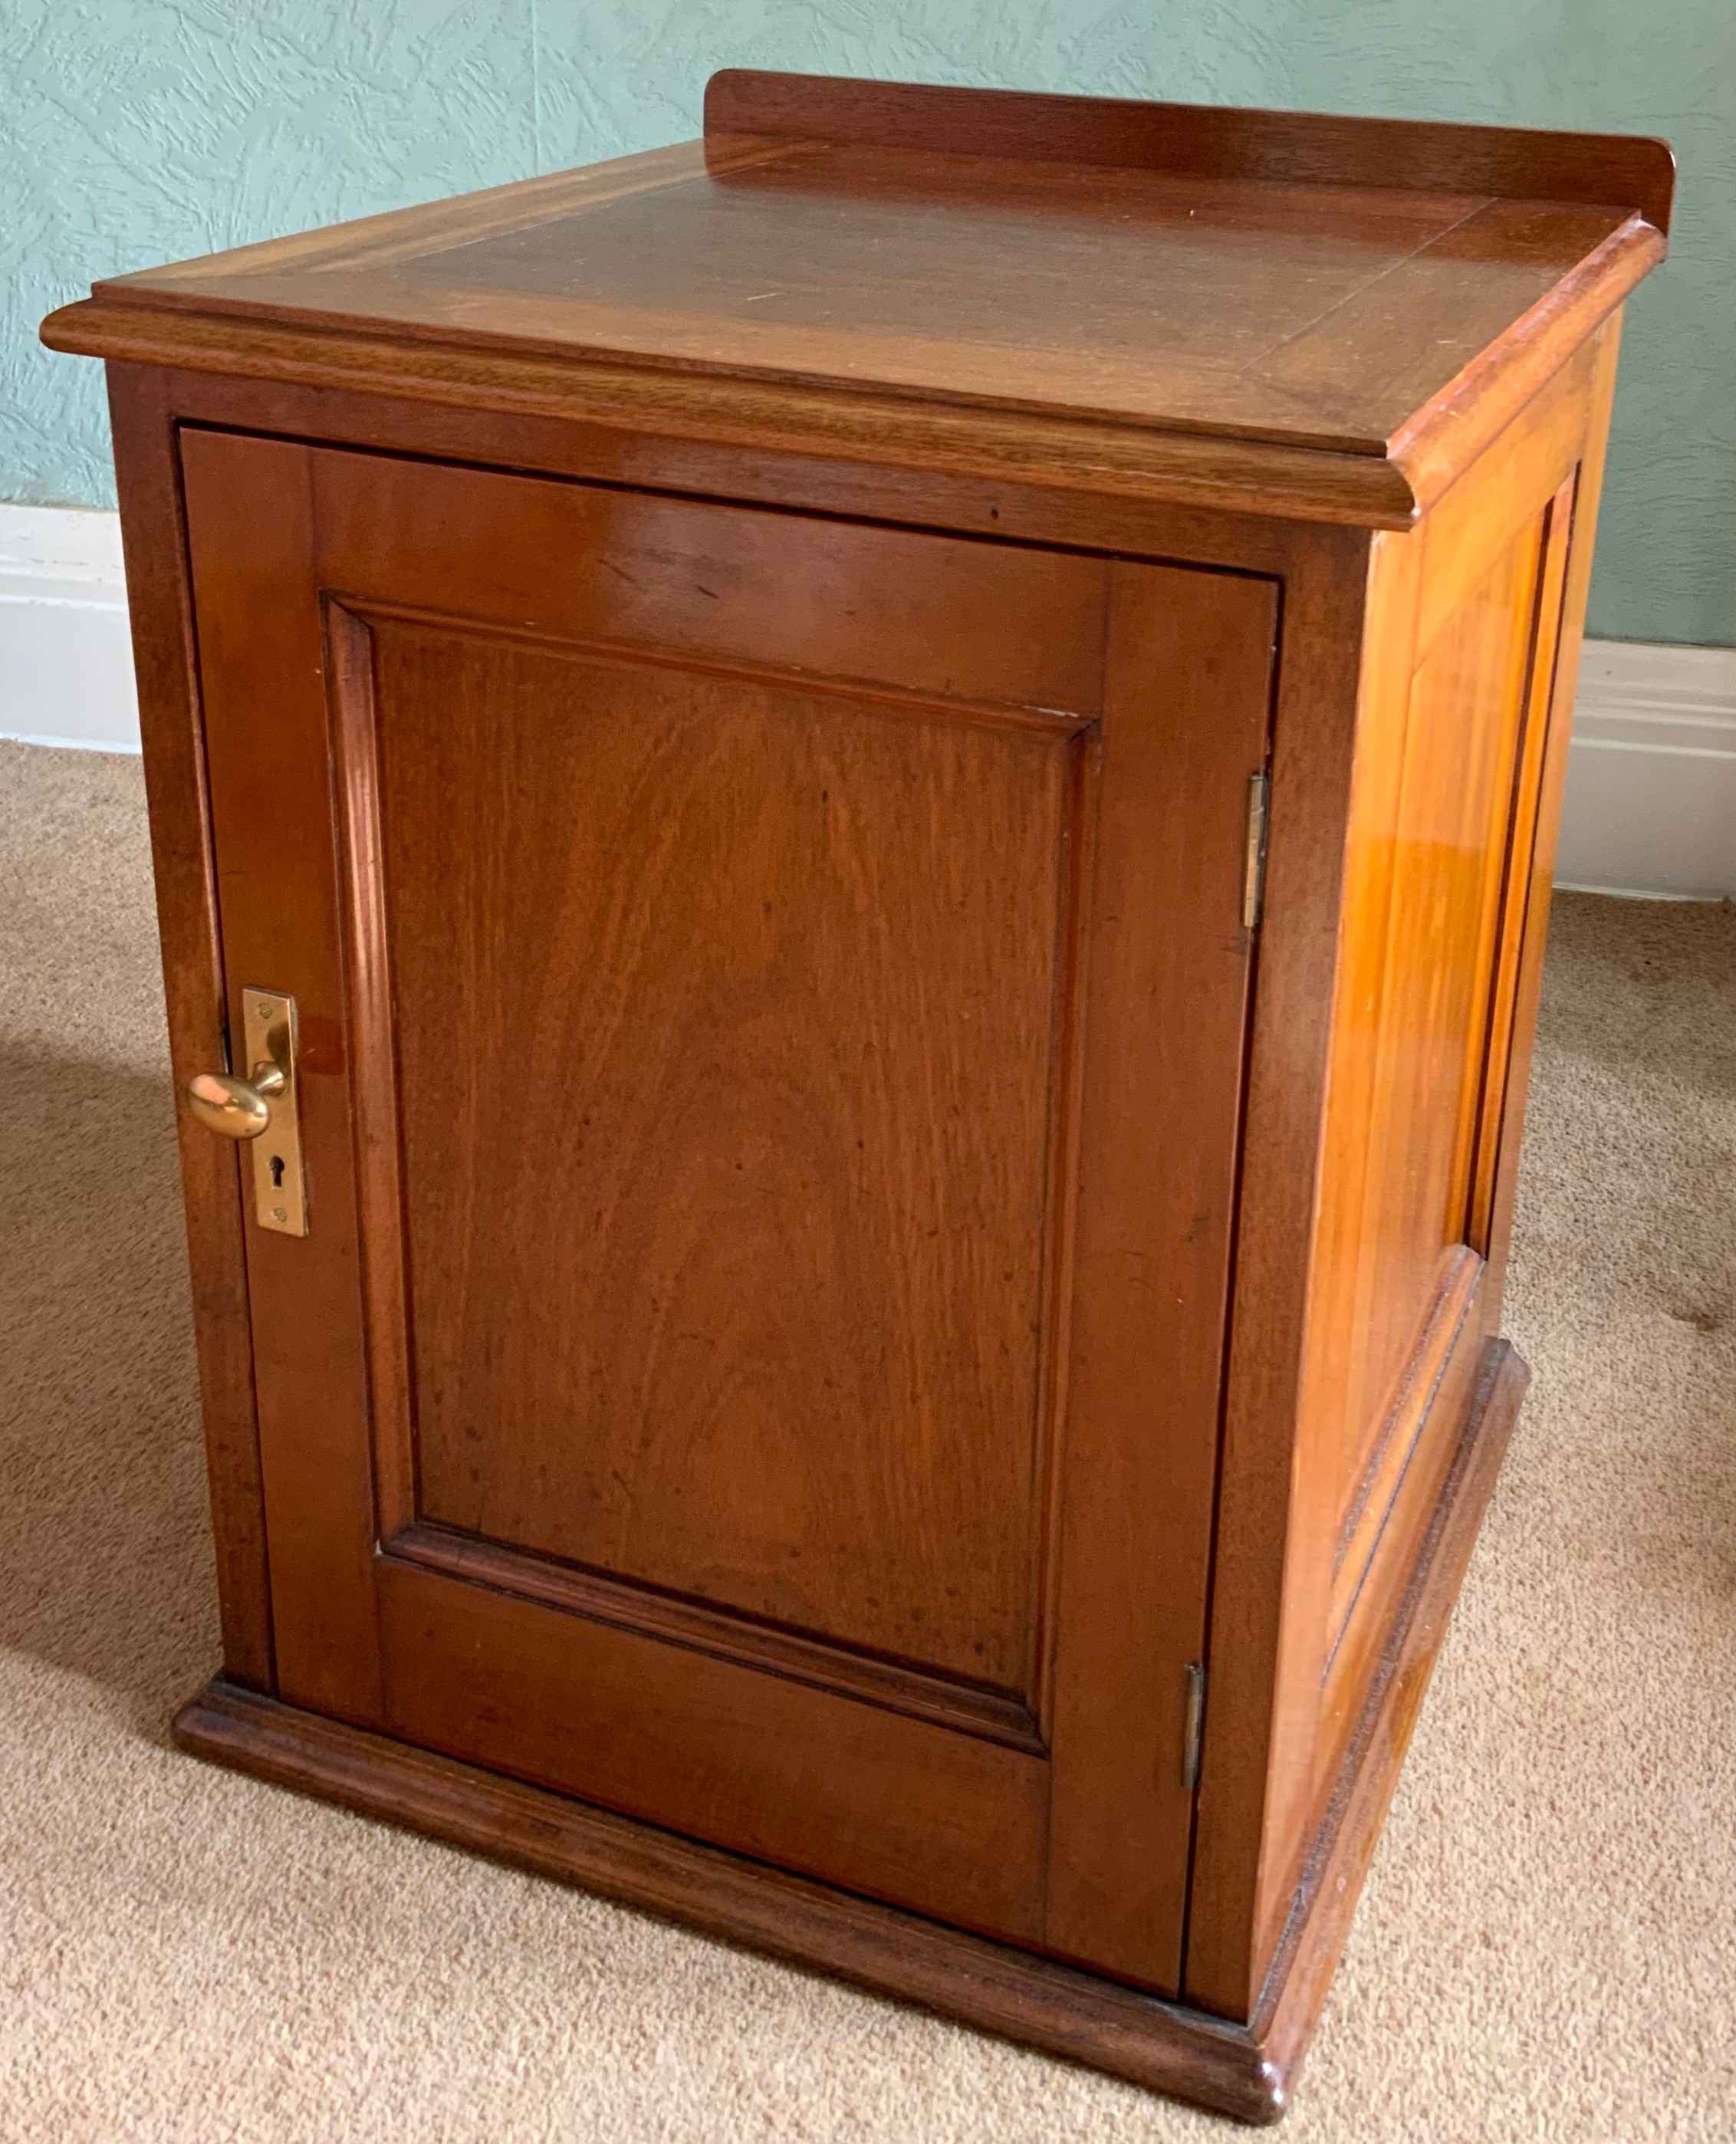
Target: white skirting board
66,661
1651,779
1650,806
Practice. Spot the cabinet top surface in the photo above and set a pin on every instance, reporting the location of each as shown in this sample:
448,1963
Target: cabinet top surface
1311,283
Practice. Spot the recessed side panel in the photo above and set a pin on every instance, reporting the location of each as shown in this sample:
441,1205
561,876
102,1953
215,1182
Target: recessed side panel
1453,852
1467,791
1439,852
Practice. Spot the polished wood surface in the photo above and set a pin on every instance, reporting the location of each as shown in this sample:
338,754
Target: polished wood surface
1102,521
772,999
1261,1493
1247,2072
1318,318
1077,2015
1323,1902
843,1274
1468,625
166,668
1530,909
1205,141
1360,330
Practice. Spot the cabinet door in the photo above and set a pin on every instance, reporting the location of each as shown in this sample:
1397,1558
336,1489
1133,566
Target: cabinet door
771,998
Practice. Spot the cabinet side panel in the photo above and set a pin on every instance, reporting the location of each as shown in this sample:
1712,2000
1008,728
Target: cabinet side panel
1532,915
1455,855
159,600
1438,851
1446,859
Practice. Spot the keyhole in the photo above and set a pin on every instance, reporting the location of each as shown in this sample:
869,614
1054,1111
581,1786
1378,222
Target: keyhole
276,1171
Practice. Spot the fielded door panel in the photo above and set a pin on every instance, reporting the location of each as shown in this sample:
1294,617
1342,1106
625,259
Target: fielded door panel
771,1002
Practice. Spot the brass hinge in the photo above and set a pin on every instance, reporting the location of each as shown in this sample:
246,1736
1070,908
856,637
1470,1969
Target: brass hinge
1254,860
1193,1726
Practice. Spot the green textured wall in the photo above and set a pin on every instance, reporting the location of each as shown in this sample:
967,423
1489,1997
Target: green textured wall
140,131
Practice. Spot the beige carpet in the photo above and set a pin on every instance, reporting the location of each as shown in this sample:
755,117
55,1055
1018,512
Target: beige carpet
1547,1947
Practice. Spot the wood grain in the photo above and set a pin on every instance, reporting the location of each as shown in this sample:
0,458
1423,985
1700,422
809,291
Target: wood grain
1259,1714
832,488
835,489
791,1034
759,1146
899,432
172,721
1278,148
1394,1432
1248,2072
1316,318
1373,1579
811,1779
1534,879
826,605
1487,510
1338,307
1519,833
1445,791
1166,1011
968,1707
722,1082
1151,2042
842,1268
1466,792
261,662
1463,720
366,240
1325,1899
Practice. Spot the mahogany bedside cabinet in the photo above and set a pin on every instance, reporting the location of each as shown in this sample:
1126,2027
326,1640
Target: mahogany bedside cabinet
854,831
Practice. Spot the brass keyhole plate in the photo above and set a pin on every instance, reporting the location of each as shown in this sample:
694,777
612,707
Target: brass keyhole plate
269,1036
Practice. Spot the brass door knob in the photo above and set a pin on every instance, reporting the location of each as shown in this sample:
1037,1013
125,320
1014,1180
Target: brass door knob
238,1108
267,1100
